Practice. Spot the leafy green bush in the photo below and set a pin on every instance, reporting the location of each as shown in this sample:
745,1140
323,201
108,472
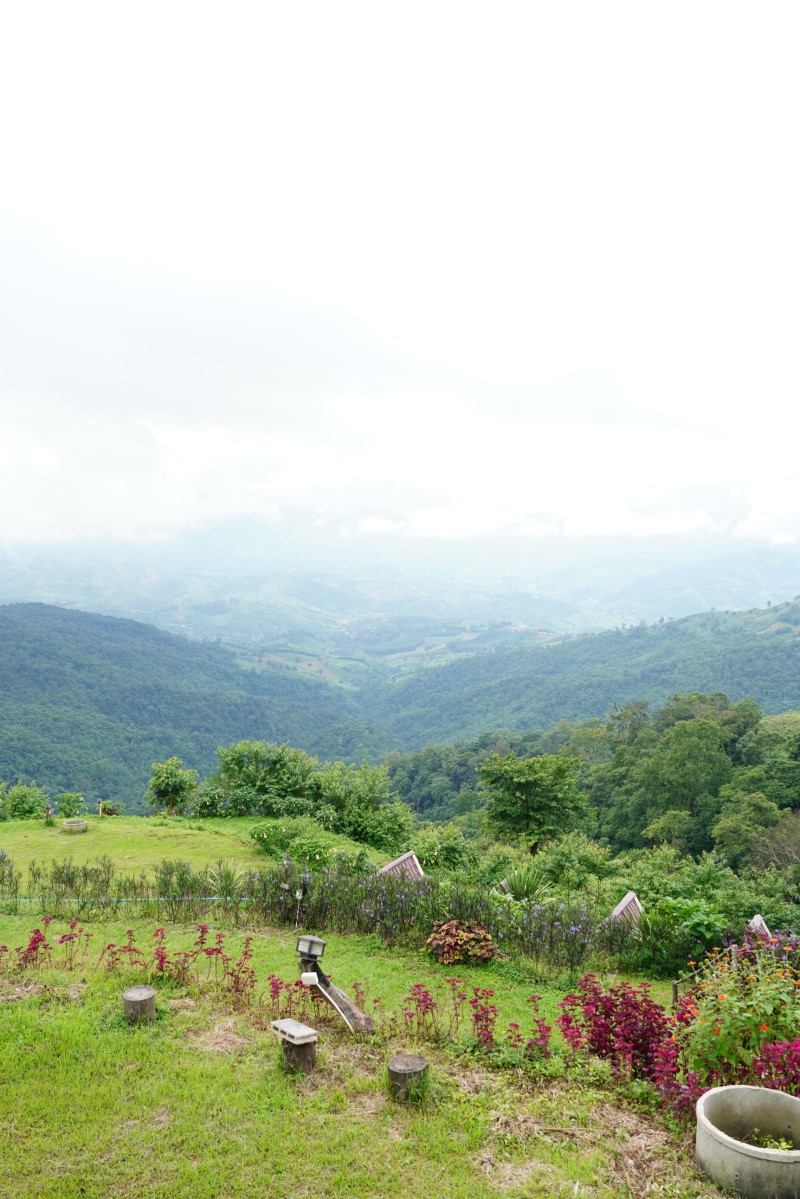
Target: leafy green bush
308,845
669,934
443,847
386,827
349,862
23,801
494,865
70,803
275,837
311,850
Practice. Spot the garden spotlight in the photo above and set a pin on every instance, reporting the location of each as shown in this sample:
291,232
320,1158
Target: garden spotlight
311,950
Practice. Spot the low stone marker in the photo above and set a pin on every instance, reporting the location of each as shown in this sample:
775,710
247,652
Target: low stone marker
139,1005
407,1073
299,1044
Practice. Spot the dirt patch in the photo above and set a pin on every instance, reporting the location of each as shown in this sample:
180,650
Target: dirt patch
508,1177
368,1103
11,992
528,1128
641,1159
644,1157
75,991
161,1119
182,1005
632,1129
222,1038
474,1081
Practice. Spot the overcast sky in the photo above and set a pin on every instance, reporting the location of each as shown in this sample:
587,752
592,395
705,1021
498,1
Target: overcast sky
438,269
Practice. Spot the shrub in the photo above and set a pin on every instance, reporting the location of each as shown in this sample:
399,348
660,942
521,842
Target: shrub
744,1000
623,1025
70,803
442,847
778,1066
275,837
494,865
23,801
386,827
669,933
312,850
456,941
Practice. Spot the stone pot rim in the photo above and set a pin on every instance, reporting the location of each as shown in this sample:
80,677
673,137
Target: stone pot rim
756,1151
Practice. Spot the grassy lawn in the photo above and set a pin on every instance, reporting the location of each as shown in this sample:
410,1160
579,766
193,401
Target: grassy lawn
196,1105
137,842
134,842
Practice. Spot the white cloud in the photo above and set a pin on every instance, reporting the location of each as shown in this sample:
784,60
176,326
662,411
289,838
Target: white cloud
433,270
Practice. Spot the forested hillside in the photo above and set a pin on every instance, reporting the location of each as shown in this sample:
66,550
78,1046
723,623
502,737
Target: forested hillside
753,653
87,702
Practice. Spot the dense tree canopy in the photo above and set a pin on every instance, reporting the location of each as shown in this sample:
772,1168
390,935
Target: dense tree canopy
171,786
535,798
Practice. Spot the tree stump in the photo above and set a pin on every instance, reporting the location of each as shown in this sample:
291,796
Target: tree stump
299,1045
299,1059
139,1005
407,1075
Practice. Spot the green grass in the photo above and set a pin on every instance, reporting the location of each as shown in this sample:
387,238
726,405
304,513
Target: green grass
197,1106
134,842
138,843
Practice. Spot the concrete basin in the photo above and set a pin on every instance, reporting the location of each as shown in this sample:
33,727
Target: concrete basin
726,1116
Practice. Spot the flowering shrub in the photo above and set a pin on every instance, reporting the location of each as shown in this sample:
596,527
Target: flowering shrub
623,1025
457,941
778,1066
538,1044
745,999
484,1017
737,1024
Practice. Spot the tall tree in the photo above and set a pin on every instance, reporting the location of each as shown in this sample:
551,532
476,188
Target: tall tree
532,797
171,786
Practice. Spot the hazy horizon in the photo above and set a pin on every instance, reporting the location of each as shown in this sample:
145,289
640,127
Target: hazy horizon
523,278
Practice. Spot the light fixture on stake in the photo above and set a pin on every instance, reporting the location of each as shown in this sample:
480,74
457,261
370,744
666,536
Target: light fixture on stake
311,950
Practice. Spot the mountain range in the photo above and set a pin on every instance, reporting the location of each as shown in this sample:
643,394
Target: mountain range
88,702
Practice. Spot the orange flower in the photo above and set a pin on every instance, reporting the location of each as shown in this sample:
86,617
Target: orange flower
764,1027
717,1030
720,996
